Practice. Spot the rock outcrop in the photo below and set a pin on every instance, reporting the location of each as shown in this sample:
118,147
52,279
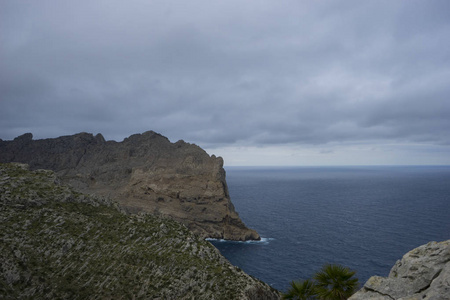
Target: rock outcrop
56,243
422,273
145,172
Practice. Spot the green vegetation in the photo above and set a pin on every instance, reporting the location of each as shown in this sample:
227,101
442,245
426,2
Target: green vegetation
301,290
332,282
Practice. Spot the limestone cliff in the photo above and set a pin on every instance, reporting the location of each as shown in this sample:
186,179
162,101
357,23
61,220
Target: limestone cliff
145,172
56,243
422,273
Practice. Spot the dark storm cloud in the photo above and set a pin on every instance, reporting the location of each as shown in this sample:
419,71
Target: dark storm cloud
229,72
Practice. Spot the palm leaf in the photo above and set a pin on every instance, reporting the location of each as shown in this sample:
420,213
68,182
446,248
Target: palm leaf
302,290
335,282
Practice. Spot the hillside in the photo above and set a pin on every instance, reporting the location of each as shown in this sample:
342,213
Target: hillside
58,243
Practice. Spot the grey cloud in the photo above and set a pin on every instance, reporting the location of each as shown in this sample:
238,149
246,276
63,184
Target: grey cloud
228,73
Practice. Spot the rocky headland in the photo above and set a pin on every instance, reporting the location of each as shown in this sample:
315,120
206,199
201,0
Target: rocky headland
143,173
422,273
57,243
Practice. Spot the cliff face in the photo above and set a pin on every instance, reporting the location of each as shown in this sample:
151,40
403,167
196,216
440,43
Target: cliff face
56,243
422,273
145,172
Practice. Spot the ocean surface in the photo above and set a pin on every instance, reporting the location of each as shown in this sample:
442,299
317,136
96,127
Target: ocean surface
365,218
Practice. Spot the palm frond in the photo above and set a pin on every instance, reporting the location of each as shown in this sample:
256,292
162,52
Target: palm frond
335,282
302,290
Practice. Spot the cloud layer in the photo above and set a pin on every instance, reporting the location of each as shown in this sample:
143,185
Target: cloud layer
229,73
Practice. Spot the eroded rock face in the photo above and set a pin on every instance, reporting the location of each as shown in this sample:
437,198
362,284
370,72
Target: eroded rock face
422,273
145,172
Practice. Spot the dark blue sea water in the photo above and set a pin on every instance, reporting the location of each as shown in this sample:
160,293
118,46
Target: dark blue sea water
365,218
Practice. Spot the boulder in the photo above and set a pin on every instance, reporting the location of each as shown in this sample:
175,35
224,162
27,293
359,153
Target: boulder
422,273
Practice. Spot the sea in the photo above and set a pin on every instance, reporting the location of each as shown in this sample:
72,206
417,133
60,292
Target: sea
362,217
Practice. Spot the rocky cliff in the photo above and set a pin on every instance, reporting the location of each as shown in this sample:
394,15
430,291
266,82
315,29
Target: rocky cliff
422,273
145,172
56,243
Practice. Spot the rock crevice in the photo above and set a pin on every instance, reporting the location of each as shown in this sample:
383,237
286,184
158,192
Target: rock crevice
379,293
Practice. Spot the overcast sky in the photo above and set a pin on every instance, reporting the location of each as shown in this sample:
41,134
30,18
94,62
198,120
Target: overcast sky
256,82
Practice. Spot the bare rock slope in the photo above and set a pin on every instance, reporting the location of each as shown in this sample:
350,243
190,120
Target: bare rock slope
422,273
145,172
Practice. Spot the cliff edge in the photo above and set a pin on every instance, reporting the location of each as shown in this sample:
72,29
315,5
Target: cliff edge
143,173
422,273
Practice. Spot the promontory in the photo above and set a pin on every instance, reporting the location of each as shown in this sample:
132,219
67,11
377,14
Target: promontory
143,173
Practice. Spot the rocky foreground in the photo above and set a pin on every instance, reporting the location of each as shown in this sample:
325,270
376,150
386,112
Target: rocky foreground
144,173
56,243
422,273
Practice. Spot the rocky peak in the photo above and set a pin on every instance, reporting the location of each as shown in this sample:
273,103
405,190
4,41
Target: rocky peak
26,137
144,172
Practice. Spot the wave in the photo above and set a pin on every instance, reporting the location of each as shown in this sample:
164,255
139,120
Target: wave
263,241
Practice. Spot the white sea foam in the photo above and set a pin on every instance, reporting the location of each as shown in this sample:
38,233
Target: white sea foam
263,241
